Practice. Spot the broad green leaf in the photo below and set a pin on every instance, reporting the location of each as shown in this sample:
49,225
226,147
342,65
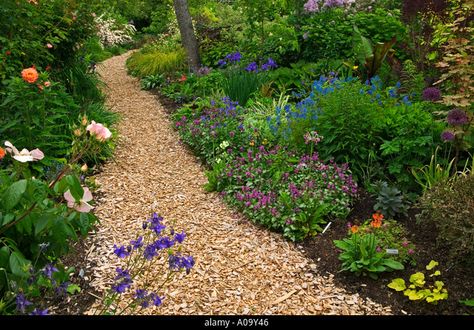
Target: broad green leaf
73,288
41,223
393,264
7,219
397,284
19,265
469,302
432,265
13,194
4,256
75,187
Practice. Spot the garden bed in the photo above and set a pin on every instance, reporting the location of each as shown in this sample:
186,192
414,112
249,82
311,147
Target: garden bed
458,280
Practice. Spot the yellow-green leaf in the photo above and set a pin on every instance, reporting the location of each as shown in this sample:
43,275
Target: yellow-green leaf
397,284
413,295
432,265
439,285
418,279
436,273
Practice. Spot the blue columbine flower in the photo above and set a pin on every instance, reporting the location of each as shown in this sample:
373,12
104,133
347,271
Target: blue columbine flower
49,270
123,279
37,311
121,251
138,243
180,237
157,300
22,303
150,252
164,243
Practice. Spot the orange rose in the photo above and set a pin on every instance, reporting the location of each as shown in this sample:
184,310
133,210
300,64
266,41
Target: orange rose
2,153
29,75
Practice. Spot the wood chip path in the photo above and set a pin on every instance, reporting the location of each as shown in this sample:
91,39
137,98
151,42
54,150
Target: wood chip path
240,268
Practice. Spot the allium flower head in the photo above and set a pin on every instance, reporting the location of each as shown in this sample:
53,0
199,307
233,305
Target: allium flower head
311,6
457,117
29,75
447,136
431,94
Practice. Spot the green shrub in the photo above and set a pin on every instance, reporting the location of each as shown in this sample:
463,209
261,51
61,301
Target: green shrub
449,206
38,116
157,62
330,33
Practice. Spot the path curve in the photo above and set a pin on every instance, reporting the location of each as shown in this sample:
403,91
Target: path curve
240,268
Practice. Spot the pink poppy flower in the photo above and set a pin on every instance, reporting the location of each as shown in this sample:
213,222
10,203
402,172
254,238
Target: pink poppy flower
25,155
101,132
81,206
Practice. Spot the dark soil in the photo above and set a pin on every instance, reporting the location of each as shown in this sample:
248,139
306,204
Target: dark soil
458,279
78,303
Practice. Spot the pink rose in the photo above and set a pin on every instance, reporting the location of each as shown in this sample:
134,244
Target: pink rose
101,132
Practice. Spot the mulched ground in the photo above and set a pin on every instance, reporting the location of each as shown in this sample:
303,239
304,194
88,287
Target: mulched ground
458,279
240,268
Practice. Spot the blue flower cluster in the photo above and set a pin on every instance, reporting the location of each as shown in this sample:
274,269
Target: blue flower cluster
148,246
146,298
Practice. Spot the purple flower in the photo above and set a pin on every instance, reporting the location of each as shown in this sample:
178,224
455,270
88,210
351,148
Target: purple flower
123,280
234,57
150,252
180,237
157,300
204,70
221,63
410,251
121,251
431,94
138,243
176,262
37,311
164,243
447,136
252,67
49,270
305,36
22,303
311,6
271,64
457,117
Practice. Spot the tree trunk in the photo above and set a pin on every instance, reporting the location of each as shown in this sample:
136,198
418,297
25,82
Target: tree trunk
186,29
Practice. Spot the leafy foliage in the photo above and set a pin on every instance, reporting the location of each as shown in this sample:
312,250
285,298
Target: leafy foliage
418,290
390,200
359,255
449,207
